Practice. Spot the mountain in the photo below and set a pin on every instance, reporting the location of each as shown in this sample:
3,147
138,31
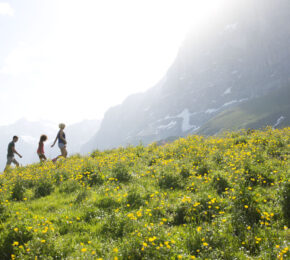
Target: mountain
241,55
29,133
272,109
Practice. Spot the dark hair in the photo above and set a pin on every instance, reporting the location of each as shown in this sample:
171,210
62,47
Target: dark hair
43,138
15,137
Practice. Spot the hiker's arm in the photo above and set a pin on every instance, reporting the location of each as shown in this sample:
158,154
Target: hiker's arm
54,142
14,151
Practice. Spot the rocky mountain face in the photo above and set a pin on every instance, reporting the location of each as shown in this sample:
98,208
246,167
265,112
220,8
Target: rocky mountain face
30,132
241,54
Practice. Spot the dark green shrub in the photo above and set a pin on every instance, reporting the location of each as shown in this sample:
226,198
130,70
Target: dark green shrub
2,205
244,212
95,179
107,203
18,191
69,186
92,214
116,226
152,160
200,211
43,188
2,210
250,131
89,168
259,158
95,153
121,173
240,140
60,176
286,203
134,199
193,242
217,158
220,184
257,175
92,174
197,160
9,236
132,250
184,173
252,174
169,181
202,170
182,214
139,150
265,180
82,195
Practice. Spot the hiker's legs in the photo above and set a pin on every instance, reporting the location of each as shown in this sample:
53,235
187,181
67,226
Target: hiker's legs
6,167
42,157
63,151
15,162
10,160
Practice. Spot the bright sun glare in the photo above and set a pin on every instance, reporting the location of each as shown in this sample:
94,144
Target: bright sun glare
99,52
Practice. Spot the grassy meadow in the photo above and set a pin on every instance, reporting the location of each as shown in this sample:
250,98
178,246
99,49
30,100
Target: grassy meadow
225,197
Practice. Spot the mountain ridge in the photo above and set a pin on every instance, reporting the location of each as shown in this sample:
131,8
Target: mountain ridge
245,55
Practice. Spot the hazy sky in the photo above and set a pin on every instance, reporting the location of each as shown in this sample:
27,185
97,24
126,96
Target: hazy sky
69,60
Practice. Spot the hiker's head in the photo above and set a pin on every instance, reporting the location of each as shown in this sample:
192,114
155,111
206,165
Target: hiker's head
15,138
43,138
61,126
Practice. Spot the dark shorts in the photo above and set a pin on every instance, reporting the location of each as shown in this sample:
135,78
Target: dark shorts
11,159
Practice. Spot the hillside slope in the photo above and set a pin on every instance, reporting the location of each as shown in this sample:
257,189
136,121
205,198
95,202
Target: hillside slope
206,198
272,109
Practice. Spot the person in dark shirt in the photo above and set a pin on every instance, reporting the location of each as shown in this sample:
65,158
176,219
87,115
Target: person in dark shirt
10,153
61,142
40,150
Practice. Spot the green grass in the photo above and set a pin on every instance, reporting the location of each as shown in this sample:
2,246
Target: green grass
221,197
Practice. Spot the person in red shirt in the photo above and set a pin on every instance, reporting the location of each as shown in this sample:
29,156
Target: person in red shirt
40,150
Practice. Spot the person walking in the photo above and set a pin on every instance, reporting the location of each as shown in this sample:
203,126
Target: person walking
10,153
40,150
61,142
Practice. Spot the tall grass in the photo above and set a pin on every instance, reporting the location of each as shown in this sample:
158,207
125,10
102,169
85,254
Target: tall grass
223,197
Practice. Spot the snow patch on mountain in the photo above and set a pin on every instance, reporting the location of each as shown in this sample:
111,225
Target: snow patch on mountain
168,126
228,91
212,110
230,103
279,120
194,129
234,101
185,115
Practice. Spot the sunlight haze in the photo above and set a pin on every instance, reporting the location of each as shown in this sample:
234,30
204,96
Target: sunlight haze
70,60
